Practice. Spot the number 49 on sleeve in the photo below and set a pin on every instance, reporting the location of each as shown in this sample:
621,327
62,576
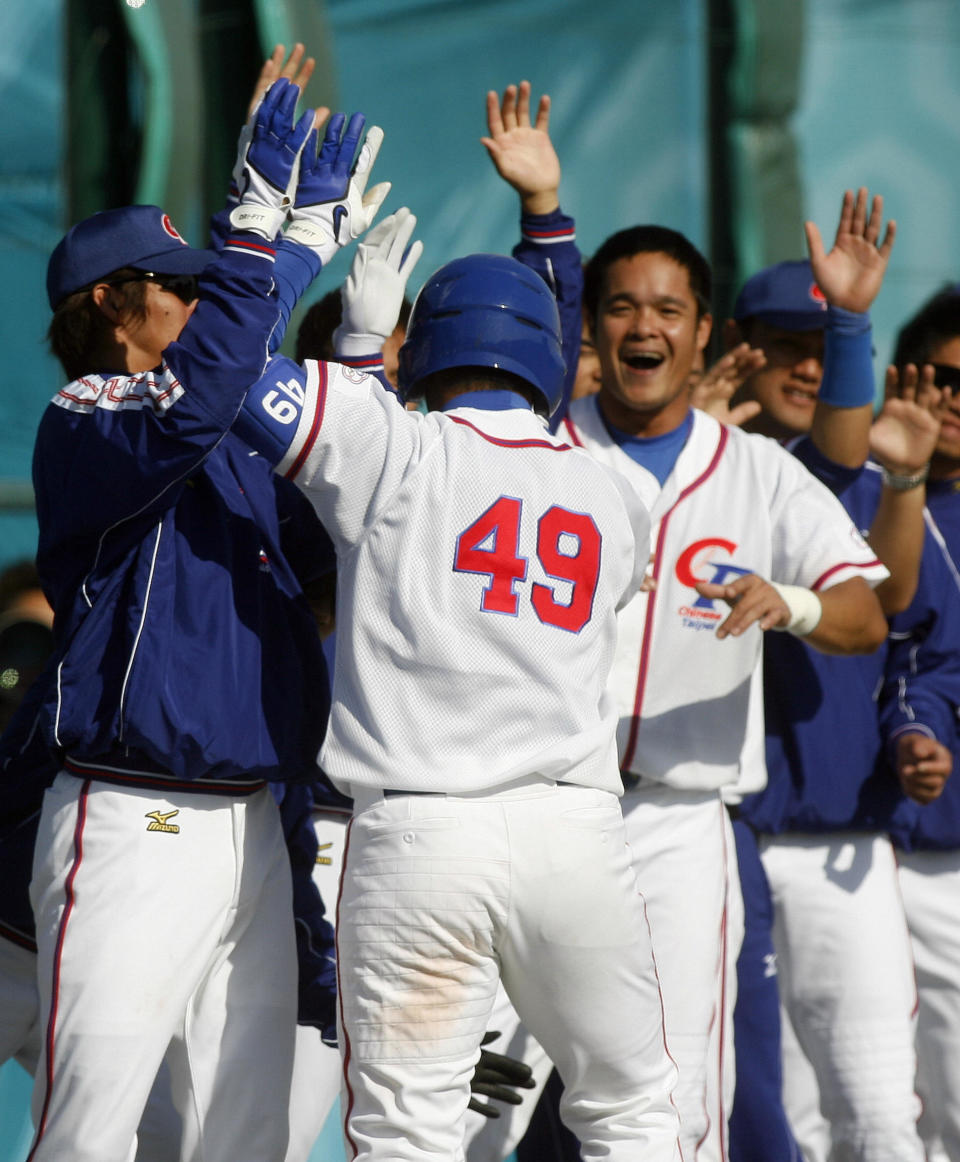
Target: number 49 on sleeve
491,546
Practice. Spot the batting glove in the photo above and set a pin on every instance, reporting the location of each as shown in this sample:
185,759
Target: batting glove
268,161
497,1077
331,206
373,292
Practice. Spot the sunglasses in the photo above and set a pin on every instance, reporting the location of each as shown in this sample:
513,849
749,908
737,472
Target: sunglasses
184,286
944,375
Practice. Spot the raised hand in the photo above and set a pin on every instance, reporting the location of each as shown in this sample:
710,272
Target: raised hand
297,69
904,435
523,152
267,165
332,205
713,389
851,274
373,291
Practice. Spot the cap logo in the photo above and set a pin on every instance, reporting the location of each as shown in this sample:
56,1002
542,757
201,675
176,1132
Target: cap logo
171,229
817,295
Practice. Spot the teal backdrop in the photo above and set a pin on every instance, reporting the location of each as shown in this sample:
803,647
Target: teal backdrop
730,120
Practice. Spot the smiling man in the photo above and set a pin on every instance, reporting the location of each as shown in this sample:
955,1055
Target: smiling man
738,523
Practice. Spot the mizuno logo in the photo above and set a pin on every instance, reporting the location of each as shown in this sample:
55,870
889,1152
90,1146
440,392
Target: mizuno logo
324,860
339,213
160,821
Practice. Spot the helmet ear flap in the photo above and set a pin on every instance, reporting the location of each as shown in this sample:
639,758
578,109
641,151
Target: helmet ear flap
485,310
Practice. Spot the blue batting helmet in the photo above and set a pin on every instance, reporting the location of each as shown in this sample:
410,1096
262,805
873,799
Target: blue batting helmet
485,310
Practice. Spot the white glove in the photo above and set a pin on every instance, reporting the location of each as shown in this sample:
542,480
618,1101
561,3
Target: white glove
268,161
331,208
373,292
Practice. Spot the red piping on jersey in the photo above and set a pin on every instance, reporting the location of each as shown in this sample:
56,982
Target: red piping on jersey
842,565
247,244
561,232
315,426
58,956
511,443
651,598
572,432
345,1114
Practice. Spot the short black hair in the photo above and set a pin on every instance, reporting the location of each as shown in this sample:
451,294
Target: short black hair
936,322
648,240
78,327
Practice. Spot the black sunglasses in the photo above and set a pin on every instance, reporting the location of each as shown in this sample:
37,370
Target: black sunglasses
184,286
944,375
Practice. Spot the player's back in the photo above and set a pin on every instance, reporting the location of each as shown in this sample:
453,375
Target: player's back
481,564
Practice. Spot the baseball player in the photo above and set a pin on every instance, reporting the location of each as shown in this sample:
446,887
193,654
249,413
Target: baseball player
163,550
729,511
928,840
832,877
480,563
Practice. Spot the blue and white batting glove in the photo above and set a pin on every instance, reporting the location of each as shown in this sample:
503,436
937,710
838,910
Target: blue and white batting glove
373,292
332,207
268,161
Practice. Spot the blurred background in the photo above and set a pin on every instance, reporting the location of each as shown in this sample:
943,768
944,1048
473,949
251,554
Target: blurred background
730,120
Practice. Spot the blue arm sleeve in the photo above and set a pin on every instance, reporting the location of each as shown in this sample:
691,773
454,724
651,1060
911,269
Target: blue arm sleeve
316,956
295,269
921,689
847,360
548,246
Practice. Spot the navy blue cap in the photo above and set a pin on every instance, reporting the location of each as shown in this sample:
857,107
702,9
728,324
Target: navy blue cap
139,236
784,295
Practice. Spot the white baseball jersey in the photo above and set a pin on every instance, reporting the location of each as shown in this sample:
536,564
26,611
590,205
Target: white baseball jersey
734,503
481,564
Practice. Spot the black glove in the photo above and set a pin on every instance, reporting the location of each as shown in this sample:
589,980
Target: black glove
497,1077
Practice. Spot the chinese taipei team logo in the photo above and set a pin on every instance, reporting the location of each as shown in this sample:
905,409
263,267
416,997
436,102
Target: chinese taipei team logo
706,560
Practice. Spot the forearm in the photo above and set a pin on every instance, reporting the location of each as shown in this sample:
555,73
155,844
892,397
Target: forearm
851,621
896,535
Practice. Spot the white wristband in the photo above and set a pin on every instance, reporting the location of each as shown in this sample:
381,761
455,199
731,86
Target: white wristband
805,609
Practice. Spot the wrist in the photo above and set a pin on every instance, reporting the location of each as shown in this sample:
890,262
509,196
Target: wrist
540,202
804,606
357,344
906,479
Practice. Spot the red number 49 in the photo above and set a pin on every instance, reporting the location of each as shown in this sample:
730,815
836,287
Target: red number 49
491,547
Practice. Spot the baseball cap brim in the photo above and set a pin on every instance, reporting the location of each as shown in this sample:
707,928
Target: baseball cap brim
141,237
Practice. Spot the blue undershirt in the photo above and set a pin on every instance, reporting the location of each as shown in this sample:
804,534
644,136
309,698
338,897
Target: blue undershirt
500,400
657,454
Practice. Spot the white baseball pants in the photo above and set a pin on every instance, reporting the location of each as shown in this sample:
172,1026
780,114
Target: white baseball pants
148,939
846,980
930,883
441,895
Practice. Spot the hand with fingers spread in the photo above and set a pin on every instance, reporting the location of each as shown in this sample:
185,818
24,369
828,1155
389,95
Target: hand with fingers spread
268,161
904,435
522,151
297,69
923,766
713,389
373,292
332,205
851,274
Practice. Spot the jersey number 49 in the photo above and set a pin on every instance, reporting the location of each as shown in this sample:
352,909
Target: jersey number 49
491,546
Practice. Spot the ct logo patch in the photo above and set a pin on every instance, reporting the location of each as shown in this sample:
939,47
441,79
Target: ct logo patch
705,560
171,229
